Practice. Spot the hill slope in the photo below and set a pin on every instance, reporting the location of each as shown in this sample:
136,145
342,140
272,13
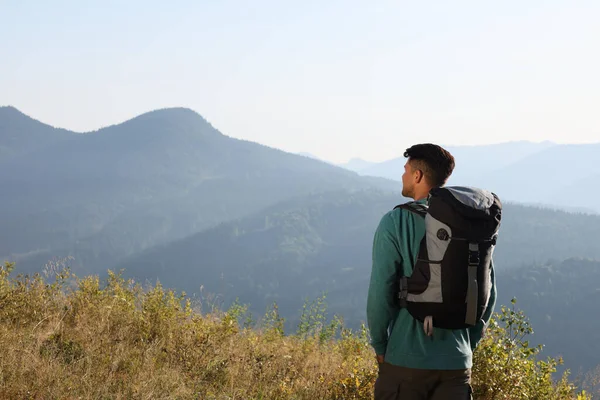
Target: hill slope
20,134
323,242
563,174
561,300
554,175
156,178
302,248
471,161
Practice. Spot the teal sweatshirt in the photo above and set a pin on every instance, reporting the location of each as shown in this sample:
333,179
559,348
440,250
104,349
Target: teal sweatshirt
394,332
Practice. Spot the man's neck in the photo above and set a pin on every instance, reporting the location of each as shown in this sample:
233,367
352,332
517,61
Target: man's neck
422,195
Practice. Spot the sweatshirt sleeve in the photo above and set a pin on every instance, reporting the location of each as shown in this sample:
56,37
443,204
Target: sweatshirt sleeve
381,308
476,332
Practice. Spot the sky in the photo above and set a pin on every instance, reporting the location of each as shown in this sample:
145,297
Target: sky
337,79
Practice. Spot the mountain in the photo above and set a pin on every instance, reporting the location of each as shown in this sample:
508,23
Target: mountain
294,249
476,162
156,178
358,165
310,155
303,247
20,134
563,175
323,243
471,161
552,175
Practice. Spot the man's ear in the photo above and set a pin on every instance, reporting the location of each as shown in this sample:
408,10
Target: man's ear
419,176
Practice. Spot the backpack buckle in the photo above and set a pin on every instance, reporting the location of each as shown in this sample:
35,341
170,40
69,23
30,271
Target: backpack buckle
403,291
473,258
473,254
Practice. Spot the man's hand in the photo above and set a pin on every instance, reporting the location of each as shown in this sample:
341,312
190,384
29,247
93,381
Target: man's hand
380,358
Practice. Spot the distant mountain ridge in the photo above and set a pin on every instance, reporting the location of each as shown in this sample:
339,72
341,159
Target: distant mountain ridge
358,165
155,178
526,172
471,161
562,174
21,134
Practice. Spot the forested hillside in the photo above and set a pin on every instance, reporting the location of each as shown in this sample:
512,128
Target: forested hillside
319,244
561,299
20,134
161,176
323,242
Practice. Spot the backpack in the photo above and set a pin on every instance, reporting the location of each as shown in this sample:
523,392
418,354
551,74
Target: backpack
450,285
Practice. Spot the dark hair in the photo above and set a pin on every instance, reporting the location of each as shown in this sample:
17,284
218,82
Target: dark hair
436,163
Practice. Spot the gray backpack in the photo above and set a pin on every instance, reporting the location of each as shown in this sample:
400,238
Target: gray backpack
450,284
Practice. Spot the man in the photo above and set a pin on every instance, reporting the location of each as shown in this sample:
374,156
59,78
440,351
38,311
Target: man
412,364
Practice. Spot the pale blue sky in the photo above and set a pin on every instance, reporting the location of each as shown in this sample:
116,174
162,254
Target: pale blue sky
335,78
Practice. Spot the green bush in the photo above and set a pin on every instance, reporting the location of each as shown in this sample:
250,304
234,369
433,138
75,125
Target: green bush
507,366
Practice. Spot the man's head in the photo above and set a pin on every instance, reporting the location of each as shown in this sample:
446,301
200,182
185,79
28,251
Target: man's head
428,166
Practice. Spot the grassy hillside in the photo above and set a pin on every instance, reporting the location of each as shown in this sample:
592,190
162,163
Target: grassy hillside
78,338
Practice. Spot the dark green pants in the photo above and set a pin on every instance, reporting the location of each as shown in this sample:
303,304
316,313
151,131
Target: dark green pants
399,383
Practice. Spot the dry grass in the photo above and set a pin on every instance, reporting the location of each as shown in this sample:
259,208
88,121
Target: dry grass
117,341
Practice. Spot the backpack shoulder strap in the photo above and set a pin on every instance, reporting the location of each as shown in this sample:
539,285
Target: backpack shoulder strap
414,207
